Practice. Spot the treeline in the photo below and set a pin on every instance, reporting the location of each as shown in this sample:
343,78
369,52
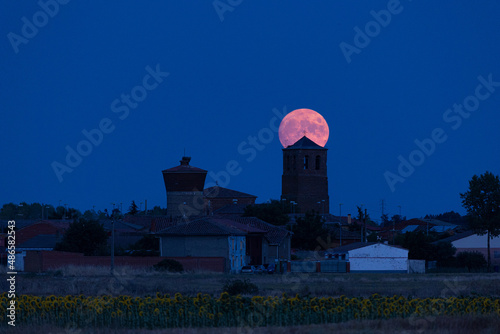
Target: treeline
31,211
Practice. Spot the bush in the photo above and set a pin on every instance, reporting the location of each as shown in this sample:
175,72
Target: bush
474,261
169,265
238,287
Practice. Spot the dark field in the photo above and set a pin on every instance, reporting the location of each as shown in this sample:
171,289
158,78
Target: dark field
437,325
95,281
127,281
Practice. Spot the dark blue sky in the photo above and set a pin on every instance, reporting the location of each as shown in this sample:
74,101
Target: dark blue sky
225,79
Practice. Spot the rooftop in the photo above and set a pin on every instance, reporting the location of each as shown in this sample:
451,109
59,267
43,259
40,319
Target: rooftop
305,143
184,167
46,241
204,226
220,192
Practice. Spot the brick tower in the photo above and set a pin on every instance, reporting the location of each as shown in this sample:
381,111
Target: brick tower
184,185
305,179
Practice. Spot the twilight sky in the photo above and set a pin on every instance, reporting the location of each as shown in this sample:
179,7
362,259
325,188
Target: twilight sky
410,91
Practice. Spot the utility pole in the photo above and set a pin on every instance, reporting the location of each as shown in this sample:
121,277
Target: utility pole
393,230
364,227
340,214
112,244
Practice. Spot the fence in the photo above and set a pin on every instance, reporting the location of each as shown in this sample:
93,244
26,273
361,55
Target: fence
329,266
39,261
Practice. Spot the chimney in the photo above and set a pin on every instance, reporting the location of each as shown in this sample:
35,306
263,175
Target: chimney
349,219
185,161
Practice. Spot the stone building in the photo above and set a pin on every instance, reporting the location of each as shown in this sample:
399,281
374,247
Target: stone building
305,179
184,185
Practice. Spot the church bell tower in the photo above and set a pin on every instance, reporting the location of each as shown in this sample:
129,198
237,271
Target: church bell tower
305,179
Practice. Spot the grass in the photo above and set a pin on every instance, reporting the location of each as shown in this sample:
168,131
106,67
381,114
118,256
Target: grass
437,325
73,280
141,282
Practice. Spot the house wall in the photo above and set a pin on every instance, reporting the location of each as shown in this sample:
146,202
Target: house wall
378,258
254,249
281,251
237,252
33,230
194,246
284,249
39,261
476,243
494,253
265,251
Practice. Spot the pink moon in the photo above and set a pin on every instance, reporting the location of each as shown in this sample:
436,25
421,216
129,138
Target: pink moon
303,122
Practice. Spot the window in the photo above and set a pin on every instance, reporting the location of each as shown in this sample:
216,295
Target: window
306,162
318,162
288,162
496,254
294,162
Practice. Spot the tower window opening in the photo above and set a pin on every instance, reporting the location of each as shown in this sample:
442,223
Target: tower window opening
288,162
318,162
306,162
294,162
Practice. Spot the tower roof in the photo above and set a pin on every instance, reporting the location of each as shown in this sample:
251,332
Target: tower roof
219,192
305,143
184,167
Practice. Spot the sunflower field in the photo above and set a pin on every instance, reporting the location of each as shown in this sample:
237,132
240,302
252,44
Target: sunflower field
203,310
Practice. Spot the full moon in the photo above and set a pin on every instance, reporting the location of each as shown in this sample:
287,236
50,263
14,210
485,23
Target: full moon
303,122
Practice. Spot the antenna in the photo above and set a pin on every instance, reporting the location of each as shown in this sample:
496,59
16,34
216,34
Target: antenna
184,151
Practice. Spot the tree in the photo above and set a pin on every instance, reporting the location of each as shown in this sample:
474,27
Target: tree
133,209
471,260
309,228
443,253
418,244
482,202
397,219
24,210
149,245
273,212
384,220
84,236
158,211
450,217
363,218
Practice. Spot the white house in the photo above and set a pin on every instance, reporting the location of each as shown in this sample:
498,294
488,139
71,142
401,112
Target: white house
471,242
372,257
